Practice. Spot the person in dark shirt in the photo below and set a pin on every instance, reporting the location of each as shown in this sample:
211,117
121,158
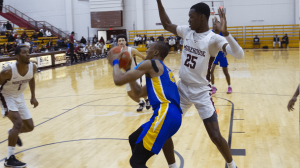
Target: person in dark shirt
8,26
24,36
101,40
152,38
11,47
95,40
10,37
256,41
34,37
49,44
285,40
43,49
83,40
56,48
41,34
161,38
60,43
71,47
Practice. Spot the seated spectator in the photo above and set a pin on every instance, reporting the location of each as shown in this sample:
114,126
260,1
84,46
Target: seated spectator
136,40
43,49
95,39
60,42
103,48
83,40
86,52
144,39
24,37
34,37
2,52
49,44
161,38
172,43
10,37
11,47
101,40
152,38
41,34
98,48
149,41
35,49
140,39
256,41
8,26
285,40
93,50
27,43
276,41
48,33
79,52
3,29
56,47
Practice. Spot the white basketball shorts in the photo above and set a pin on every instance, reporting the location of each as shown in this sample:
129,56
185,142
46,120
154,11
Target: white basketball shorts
197,95
15,104
128,88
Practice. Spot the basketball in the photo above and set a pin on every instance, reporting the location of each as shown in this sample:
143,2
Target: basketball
124,59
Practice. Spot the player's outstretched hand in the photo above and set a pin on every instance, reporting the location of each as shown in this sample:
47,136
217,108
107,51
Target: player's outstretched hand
34,102
222,25
291,104
111,56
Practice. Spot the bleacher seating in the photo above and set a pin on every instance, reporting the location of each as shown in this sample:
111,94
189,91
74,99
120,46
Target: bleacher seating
243,34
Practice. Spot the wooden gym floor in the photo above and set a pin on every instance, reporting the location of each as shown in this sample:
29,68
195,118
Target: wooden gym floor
84,120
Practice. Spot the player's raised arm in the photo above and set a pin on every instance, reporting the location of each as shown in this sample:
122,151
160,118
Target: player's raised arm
165,21
232,47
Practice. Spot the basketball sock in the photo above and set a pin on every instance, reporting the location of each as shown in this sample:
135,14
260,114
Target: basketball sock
141,102
231,165
213,85
173,165
229,85
10,151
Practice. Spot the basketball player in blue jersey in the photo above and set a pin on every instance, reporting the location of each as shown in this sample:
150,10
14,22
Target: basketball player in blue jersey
163,95
221,57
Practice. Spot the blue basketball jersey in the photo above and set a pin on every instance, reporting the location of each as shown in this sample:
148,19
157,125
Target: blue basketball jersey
162,89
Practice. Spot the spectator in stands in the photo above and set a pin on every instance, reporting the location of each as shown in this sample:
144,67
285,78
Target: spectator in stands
136,40
71,46
24,36
93,50
83,40
2,52
3,29
256,41
103,48
10,37
140,39
95,39
60,43
56,47
49,44
85,50
149,41
27,43
276,41
9,26
152,38
144,39
34,37
48,33
11,47
161,38
41,34
285,40
79,52
43,49
101,40
172,43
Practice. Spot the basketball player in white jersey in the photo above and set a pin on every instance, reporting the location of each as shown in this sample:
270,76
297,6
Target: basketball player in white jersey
199,46
122,41
14,80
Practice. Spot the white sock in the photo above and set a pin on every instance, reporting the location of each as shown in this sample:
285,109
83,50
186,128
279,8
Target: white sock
229,85
141,101
173,165
10,151
231,165
213,85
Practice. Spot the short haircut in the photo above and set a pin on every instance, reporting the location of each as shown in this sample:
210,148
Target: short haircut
121,36
18,49
202,8
72,32
163,48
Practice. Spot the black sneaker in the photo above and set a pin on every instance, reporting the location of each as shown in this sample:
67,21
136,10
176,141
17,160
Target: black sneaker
148,106
19,142
142,105
13,162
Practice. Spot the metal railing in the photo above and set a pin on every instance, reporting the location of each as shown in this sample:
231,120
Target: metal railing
33,24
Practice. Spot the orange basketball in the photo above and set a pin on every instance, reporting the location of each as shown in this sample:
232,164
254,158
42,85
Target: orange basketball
117,50
124,60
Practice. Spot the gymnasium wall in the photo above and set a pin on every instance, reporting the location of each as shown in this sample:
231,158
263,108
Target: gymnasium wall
69,15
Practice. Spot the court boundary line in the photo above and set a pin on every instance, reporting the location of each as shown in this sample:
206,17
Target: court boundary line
76,140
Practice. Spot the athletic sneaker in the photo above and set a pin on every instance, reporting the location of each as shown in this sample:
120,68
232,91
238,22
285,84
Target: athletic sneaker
148,106
13,162
214,90
19,142
142,105
229,90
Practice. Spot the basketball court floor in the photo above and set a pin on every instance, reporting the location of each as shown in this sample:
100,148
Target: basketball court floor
83,120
